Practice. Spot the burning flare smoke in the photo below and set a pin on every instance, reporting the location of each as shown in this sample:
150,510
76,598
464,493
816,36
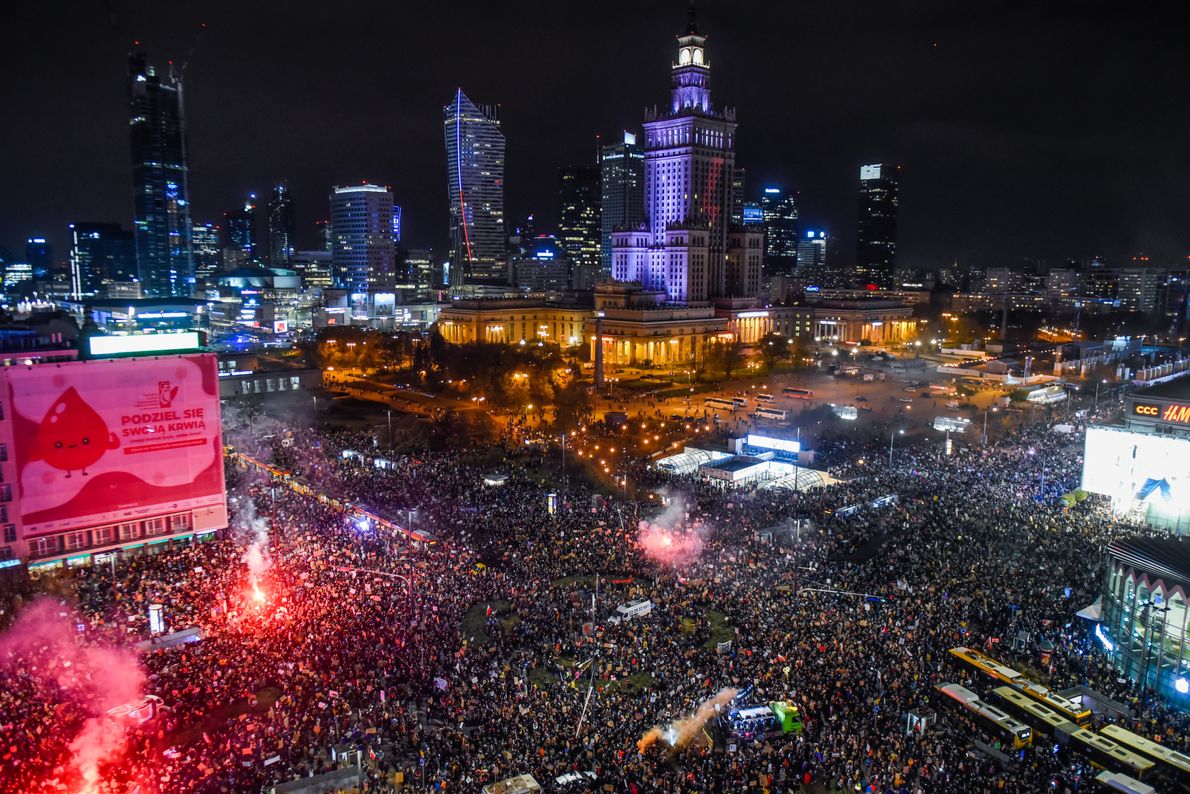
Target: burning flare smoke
680,733
666,541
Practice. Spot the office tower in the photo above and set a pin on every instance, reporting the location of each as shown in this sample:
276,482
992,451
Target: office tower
161,180
419,264
811,252
475,184
208,253
752,214
780,230
314,267
579,225
39,254
239,235
876,238
281,226
685,248
1137,285
622,193
99,253
737,197
324,235
363,254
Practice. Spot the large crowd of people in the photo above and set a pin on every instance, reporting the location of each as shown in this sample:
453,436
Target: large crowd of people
490,653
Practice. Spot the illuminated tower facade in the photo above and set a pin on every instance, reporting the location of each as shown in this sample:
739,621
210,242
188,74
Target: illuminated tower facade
876,237
475,184
161,179
691,186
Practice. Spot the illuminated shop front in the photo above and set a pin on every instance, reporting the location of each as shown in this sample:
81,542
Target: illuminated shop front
1144,614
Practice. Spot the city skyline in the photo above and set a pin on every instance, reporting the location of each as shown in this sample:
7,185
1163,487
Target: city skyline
1057,176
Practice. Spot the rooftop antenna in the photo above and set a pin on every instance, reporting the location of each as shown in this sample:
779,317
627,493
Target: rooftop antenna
202,27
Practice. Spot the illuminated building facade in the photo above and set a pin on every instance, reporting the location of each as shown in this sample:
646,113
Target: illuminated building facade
1143,615
281,226
780,230
362,253
161,178
579,225
239,234
208,255
688,248
99,254
622,188
876,322
876,239
516,321
475,185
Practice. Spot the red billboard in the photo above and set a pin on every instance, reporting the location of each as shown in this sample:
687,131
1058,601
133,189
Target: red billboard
105,441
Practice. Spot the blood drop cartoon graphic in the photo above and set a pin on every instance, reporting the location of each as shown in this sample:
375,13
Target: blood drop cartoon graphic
72,436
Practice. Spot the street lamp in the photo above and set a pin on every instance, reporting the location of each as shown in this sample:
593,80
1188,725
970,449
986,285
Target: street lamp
891,435
984,438
1103,380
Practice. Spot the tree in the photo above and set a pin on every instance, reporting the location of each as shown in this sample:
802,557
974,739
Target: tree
725,355
774,348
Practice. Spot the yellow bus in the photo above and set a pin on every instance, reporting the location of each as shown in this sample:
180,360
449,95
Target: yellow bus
1040,717
1010,730
1079,715
1170,763
1106,754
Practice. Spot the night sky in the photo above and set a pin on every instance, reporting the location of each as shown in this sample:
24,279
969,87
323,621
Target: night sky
1025,129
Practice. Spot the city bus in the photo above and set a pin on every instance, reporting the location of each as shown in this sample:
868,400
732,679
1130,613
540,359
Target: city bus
1040,717
1114,781
797,393
992,718
770,413
720,403
1170,763
1079,715
1104,753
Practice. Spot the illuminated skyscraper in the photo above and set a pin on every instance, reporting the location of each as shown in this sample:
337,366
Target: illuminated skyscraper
208,253
475,184
579,227
40,256
99,253
876,240
780,230
622,193
239,231
363,254
688,248
281,226
161,179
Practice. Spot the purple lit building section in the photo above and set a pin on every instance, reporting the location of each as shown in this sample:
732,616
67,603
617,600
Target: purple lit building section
687,246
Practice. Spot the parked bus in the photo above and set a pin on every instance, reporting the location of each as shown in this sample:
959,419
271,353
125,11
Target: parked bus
798,394
1079,715
770,413
765,398
1170,763
1104,753
1114,781
720,403
1040,717
992,718
740,402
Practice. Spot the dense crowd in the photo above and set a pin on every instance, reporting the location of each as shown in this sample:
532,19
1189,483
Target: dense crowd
490,653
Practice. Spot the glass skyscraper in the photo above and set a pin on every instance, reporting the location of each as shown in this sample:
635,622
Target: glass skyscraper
780,230
362,253
281,226
239,229
579,221
99,253
208,254
876,239
161,179
622,200
475,184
